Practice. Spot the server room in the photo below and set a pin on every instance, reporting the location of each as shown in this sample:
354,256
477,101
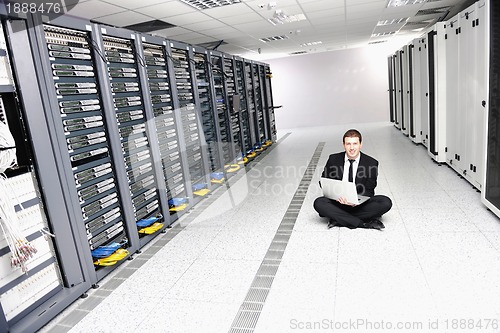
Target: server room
249,166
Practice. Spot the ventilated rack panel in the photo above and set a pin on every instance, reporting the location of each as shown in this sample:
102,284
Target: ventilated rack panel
258,73
245,122
30,219
83,122
165,120
223,119
131,119
234,115
206,109
190,121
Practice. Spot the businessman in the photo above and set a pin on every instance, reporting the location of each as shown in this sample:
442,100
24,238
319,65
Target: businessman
354,166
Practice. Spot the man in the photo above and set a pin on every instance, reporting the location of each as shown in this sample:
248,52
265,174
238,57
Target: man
353,165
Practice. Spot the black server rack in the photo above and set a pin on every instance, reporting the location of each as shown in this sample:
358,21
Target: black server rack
391,88
213,135
233,105
269,107
124,62
198,184
246,137
224,121
251,107
166,123
259,106
83,123
492,182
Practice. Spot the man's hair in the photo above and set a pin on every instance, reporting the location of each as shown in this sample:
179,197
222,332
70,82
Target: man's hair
352,133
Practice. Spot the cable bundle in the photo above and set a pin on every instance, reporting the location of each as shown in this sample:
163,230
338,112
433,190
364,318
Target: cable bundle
8,157
21,250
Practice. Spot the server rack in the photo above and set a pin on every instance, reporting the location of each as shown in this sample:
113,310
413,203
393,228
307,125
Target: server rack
454,100
491,194
399,90
167,124
250,93
246,134
57,274
391,88
269,106
416,107
424,89
194,143
437,93
207,107
257,77
233,104
224,121
405,89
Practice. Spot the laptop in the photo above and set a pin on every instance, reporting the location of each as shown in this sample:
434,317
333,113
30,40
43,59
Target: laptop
334,189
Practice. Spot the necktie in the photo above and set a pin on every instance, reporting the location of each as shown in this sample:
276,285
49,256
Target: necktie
350,170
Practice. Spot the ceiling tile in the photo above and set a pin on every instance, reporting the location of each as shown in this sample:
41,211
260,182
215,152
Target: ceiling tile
93,8
225,11
245,18
186,19
133,4
170,32
166,9
123,19
205,25
318,5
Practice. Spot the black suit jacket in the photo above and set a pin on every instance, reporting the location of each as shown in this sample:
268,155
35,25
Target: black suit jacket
366,175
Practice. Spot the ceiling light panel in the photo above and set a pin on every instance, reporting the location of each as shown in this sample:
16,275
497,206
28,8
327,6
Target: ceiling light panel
393,21
207,4
273,38
311,43
399,3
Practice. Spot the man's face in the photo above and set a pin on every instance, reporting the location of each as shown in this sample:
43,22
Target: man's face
352,147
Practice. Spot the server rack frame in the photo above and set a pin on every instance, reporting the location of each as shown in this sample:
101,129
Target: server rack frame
269,103
75,274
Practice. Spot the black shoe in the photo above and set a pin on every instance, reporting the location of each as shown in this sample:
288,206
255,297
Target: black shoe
373,224
332,223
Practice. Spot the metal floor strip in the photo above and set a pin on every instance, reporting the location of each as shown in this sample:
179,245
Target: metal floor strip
247,317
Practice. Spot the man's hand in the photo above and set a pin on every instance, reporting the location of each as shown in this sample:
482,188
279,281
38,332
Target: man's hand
344,201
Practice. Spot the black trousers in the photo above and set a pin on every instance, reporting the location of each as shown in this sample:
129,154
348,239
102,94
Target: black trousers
349,216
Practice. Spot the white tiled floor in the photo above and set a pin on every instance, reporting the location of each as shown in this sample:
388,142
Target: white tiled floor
437,261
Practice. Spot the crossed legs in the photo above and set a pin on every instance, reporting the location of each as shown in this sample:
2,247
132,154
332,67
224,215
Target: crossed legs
349,216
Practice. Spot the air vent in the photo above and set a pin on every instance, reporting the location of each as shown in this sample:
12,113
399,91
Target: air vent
433,11
298,52
207,4
377,42
149,26
274,38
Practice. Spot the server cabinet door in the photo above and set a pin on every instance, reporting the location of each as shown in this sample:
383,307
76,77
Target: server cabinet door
399,90
416,136
405,88
424,84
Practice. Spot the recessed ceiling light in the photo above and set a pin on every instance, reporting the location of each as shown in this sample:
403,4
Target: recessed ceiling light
394,21
279,17
380,34
311,43
378,42
398,3
206,4
273,38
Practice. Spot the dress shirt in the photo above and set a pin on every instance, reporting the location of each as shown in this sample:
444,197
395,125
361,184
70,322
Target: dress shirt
347,164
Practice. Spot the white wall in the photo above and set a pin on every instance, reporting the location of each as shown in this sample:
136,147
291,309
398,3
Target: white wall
331,88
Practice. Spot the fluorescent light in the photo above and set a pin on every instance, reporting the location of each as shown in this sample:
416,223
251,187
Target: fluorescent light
279,17
207,4
381,34
311,43
273,38
394,21
398,3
